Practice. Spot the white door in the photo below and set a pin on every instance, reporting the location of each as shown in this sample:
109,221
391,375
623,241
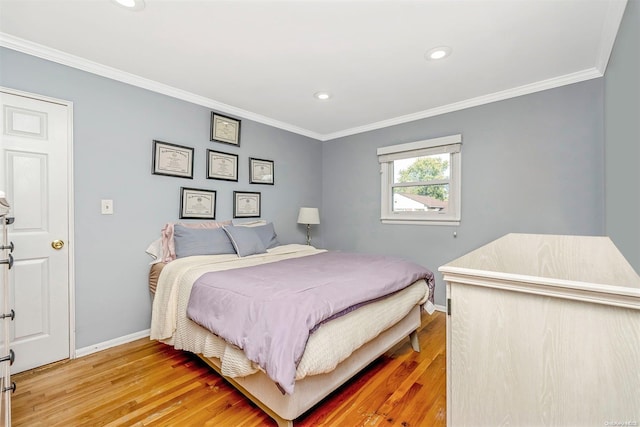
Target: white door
34,173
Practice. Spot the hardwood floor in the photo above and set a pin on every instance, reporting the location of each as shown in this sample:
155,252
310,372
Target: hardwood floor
146,383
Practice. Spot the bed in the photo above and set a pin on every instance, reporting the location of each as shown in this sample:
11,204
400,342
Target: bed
336,349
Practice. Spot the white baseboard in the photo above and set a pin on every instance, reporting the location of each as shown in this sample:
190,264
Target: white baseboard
441,308
85,351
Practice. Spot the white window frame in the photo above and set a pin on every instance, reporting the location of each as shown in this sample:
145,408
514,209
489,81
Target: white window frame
387,155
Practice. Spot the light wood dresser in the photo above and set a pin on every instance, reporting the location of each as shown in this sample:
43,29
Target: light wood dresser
543,330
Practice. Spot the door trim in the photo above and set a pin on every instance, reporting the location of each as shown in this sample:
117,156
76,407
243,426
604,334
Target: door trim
70,205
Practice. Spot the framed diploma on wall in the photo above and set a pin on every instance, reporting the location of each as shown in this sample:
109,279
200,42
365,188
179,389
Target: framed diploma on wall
225,129
246,204
172,160
197,203
222,165
260,171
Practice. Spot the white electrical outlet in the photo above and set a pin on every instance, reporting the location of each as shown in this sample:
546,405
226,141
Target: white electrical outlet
107,207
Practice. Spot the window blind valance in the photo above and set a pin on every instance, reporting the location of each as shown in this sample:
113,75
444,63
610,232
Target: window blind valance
446,144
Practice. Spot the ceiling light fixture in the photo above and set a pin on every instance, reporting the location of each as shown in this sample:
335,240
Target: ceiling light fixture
322,96
131,4
437,53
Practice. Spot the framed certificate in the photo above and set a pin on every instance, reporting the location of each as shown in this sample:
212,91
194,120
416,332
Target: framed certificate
172,160
225,129
246,204
222,165
260,171
197,204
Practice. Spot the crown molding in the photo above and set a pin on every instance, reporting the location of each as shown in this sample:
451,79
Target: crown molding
612,20
567,79
60,57
614,17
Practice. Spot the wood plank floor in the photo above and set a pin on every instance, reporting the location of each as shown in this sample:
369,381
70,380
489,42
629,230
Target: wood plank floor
146,383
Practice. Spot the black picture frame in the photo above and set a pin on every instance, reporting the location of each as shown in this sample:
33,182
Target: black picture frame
247,204
225,129
222,166
261,171
172,160
197,203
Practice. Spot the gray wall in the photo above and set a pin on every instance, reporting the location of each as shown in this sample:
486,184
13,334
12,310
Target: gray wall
532,164
622,126
114,125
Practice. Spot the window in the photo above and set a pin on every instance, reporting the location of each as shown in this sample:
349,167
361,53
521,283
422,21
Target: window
420,182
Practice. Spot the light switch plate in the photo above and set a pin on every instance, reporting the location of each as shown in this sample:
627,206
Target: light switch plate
107,207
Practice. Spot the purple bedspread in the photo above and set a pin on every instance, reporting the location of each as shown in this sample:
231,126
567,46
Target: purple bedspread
268,310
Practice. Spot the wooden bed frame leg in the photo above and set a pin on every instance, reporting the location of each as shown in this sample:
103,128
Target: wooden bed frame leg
282,422
415,343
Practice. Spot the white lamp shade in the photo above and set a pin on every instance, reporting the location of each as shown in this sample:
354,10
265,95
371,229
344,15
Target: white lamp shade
308,216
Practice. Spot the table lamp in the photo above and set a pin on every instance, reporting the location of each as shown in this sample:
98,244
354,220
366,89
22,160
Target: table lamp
308,216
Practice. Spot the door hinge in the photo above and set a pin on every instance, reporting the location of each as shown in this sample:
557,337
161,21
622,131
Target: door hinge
449,306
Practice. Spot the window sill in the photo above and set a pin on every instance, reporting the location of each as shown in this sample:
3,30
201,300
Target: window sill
450,222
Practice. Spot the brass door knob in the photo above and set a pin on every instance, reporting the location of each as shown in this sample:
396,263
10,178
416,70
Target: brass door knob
57,244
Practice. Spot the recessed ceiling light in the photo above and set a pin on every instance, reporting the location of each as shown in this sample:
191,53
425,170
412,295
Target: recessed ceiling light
436,53
131,4
322,96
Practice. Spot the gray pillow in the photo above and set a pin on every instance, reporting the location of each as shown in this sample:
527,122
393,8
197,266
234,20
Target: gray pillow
267,234
201,241
245,240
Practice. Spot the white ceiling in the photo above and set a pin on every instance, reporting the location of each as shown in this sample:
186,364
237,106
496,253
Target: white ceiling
264,60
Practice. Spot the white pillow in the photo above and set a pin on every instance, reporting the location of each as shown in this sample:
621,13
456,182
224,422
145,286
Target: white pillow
256,223
155,251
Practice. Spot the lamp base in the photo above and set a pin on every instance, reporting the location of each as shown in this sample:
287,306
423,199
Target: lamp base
309,234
